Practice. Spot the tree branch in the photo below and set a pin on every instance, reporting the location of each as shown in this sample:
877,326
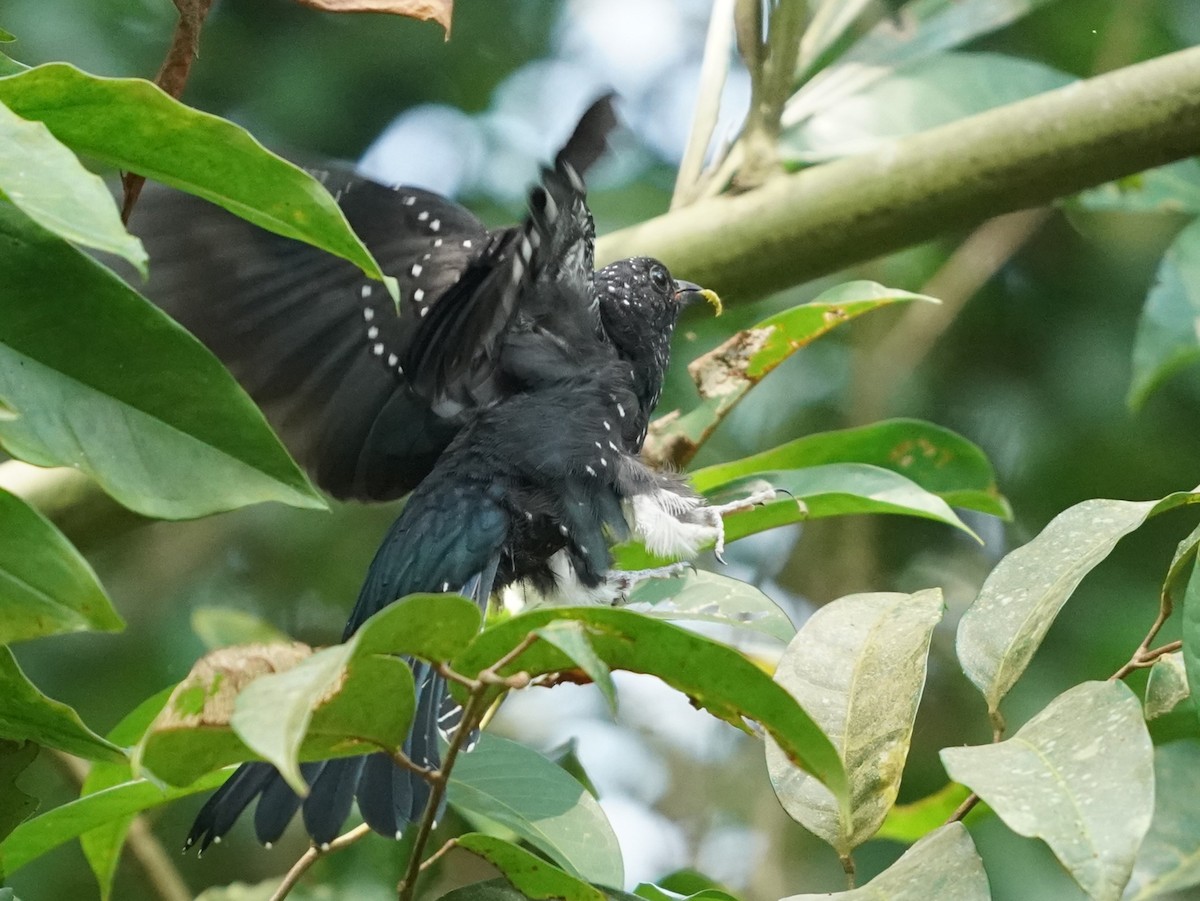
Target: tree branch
817,221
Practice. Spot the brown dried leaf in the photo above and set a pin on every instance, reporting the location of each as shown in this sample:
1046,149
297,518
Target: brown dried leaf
438,11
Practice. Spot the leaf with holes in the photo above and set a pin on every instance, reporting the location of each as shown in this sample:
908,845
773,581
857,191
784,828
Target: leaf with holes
725,375
1054,780
46,587
1004,627
858,665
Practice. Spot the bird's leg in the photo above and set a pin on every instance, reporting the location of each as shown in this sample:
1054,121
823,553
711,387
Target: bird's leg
621,582
716,514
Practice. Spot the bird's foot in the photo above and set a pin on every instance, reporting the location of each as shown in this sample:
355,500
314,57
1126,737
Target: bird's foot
620,582
717,515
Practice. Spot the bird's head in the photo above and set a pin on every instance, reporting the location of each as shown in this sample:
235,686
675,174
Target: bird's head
639,305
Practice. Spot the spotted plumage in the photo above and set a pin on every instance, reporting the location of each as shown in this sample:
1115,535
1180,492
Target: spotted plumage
512,386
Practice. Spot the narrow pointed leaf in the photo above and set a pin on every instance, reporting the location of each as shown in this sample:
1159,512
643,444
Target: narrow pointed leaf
542,803
49,185
935,458
858,665
1054,780
108,384
1167,686
713,598
533,877
1166,339
944,864
46,587
133,125
1004,627
1169,860
28,715
716,678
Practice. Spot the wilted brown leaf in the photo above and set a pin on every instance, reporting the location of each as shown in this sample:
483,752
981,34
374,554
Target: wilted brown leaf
426,10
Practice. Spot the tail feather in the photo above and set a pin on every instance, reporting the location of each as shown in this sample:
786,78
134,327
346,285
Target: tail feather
278,803
221,811
328,804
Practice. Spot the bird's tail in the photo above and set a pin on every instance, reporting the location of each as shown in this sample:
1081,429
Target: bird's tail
389,796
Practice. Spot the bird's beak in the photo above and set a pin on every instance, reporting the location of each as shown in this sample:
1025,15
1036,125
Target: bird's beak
688,292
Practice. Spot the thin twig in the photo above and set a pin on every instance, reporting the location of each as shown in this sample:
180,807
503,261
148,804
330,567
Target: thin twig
1143,658
438,854
713,72
963,809
472,713
309,857
405,762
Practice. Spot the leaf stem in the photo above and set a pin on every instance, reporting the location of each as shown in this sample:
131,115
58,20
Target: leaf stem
847,860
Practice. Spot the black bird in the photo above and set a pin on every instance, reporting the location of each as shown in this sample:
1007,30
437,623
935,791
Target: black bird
515,386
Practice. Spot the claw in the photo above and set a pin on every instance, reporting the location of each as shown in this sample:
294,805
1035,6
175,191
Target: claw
621,582
755,499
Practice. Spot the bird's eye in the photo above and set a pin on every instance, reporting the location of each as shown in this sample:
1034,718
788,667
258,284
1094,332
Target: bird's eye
659,277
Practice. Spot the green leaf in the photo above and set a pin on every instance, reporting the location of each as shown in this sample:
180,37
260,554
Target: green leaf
908,822
102,845
1004,627
916,97
133,125
859,665
1174,188
942,865
1191,631
108,384
1054,780
726,374
540,802
1167,686
530,875
46,587
916,32
1166,339
49,185
1169,860
502,890
654,893
15,805
28,715
935,458
222,627
35,837
716,678
572,639
285,704
699,596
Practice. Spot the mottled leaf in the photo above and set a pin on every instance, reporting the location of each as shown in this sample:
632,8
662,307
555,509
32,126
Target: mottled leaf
1167,686
1169,859
540,802
858,666
1054,780
48,184
46,587
1003,628
942,865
